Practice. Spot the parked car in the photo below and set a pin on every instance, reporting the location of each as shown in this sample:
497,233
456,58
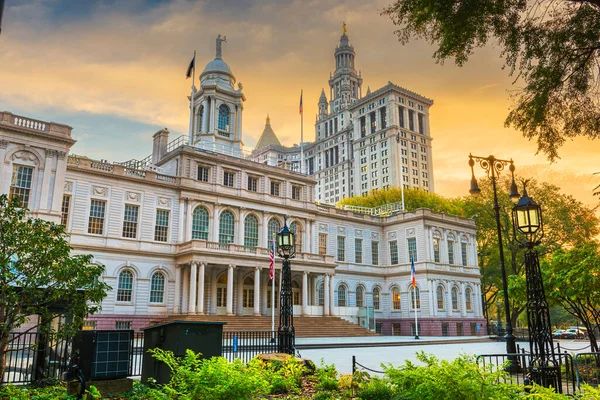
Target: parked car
573,333
557,333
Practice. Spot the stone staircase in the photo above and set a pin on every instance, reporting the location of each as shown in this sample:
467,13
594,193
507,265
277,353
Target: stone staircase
305,327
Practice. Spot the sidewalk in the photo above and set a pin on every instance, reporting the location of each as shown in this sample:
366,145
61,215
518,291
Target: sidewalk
384,341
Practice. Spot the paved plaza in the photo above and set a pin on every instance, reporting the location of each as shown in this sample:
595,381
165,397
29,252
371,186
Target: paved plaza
373,357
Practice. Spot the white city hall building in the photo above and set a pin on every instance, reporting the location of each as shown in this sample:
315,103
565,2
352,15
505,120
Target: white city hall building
187,230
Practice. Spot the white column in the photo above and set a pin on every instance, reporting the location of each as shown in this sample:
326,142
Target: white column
239,123
187,234
5,175
463,302
240,292
434,283
305,293
201,272
177,304
431,304
211,113
326,295
264,294
193,288
213,291
230,290
449,296
331,296
479,301
204,115
257,291
186,291
59,182
308,235
180,231
46,179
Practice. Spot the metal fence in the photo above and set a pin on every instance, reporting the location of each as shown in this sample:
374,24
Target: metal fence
248,344
31,356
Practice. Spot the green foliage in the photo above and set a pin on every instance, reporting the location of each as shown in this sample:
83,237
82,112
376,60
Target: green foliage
26,393
414,198
326,377
38,272
377,389
286,376
92,393
552,46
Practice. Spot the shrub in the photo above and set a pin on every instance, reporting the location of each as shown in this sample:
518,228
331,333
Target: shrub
376,389
25,393
326,378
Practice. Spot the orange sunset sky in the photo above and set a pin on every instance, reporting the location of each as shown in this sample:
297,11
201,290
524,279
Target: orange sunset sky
115,72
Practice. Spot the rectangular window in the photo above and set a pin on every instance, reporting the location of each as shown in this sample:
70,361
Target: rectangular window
412,249
341,248
463,253
130,221
123,325
451,252
383,116
396,330
363,127
96,220
20,185
411,120
322,243
436,250
161,230
275,188
64,210
252,184
421,123
358,243
375,253
373,122
394,252
203,174
228,178
401,113
296,193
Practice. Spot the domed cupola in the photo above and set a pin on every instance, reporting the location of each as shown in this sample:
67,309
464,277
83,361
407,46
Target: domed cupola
217,71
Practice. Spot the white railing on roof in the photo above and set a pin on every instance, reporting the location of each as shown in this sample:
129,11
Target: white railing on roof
381,211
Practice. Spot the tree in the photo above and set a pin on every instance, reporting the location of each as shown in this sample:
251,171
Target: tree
39,276
567,223
572,278
551,46
413,198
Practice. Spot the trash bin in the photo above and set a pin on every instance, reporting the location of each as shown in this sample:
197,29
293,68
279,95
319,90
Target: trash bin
178,336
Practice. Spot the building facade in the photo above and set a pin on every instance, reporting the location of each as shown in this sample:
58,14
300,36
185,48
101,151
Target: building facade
362,143
187,230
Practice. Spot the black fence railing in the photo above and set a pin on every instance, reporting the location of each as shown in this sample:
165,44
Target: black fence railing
138,354
248,344
565,369
32,356
587,368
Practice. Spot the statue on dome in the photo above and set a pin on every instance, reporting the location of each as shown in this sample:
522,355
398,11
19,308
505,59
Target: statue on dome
344,27
219,41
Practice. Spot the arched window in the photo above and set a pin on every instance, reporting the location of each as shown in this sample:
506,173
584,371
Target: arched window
321,294
223,118
455,299
395,298
157,288
342,295
274,228
440,298
415,292
251,231
468,295
200,223
199,119
226,227
125,286
376,302
360,296
296,229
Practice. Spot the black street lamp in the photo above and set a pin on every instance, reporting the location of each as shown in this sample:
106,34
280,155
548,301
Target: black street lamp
543,364
285,332
493,167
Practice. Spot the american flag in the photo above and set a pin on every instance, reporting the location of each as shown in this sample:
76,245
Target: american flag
413,278
300,101
272,262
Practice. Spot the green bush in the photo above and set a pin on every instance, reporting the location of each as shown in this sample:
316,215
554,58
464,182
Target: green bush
25,393
326,378
376,389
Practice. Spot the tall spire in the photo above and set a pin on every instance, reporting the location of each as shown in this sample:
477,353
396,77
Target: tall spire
268,120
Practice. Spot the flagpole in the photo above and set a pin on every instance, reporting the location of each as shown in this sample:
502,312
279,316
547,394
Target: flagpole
301,137
191,134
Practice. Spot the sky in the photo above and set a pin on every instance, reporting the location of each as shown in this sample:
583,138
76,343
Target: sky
115,72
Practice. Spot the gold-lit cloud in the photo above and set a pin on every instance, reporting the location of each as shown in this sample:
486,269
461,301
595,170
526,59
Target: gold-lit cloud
130,63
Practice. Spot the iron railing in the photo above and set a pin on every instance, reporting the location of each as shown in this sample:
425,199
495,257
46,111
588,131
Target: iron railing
27,353
587,368
246,345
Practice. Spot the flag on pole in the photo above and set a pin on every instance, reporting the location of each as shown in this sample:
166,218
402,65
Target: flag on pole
191,67
272,262
300,101
413,278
